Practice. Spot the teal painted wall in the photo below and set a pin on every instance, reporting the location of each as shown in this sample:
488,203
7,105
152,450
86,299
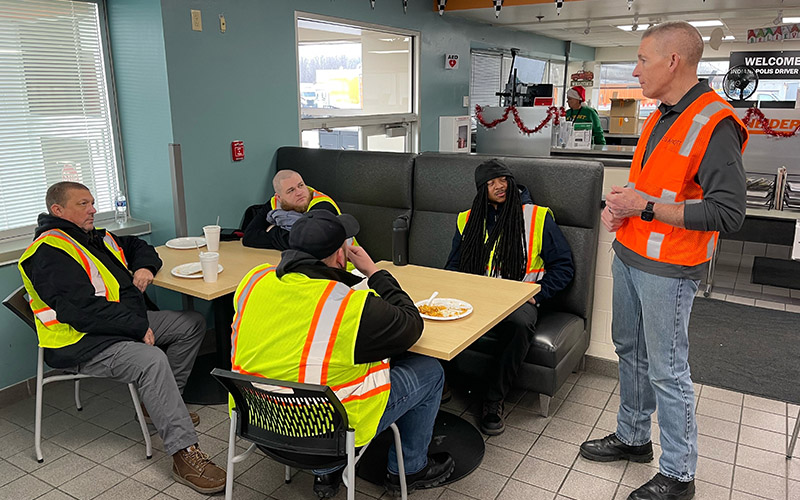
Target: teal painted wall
206,89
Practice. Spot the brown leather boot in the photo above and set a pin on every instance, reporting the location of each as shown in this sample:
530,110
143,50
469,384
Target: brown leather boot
195,469
194,416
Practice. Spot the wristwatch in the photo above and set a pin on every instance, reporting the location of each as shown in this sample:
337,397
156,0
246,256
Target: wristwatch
648,214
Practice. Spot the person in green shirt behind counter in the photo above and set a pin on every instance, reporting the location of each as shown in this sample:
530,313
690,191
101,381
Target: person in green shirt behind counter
579,113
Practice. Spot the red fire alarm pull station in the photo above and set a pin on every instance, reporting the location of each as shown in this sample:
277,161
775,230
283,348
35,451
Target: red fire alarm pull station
237,150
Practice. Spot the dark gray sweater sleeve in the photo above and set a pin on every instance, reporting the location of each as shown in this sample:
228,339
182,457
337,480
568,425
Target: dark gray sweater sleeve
721,175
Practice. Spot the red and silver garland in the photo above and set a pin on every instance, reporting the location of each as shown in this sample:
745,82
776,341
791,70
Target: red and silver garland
553,113
763,122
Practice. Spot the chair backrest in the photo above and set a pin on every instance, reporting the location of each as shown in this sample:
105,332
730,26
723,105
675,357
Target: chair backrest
18,303
287,416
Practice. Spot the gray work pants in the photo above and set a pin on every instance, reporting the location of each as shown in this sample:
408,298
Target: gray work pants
160,372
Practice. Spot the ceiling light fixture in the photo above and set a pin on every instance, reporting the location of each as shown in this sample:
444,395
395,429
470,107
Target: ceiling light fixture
629,27
705,24
778,20
588,28
498,4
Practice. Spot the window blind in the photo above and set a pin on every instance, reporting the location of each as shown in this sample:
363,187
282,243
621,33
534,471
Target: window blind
485,79
55,120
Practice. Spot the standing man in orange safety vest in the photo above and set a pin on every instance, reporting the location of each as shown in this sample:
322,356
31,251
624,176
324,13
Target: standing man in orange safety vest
686,184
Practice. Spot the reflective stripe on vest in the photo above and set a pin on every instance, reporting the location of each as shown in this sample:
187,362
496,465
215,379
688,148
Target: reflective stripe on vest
534,216
301,329
114,247
669,177
52,333
316,197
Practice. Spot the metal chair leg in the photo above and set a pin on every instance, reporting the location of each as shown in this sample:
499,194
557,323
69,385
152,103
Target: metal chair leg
401,466
793,441
350,469
544,405
78,404
288,475
137,405
231,454
37,426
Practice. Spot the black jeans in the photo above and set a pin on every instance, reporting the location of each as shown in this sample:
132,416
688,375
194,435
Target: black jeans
514,335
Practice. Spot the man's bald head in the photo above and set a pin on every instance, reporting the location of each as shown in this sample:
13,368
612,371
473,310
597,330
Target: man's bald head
280,177
680,37
290,191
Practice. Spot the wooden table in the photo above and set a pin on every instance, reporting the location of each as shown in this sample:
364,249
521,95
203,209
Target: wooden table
492,300
236,261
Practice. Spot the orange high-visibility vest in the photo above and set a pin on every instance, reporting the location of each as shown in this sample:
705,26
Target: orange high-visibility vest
669,177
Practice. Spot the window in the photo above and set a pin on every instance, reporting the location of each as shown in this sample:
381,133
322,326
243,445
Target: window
55,116
490,72
357,86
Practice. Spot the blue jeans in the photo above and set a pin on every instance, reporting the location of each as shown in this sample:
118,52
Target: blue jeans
650,329
413,404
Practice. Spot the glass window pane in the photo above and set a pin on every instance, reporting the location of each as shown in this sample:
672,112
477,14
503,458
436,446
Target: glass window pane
351,71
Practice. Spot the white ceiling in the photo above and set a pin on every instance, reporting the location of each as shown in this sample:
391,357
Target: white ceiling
737,15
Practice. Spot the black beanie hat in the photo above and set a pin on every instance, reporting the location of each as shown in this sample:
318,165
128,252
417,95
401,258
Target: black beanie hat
489,170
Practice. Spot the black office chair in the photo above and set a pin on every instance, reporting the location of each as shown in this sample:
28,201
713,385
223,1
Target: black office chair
299,425
17,302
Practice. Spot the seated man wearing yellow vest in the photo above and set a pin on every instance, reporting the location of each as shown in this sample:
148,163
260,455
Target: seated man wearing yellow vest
86,289
301,321
506,236
271,224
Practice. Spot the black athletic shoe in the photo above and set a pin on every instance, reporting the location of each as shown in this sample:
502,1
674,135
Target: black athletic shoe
662,487
439,468
610,448
327,485
492,422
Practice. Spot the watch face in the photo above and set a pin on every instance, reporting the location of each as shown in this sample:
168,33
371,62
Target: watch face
647,216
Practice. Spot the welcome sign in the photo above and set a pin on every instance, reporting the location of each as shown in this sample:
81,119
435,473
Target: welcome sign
770,65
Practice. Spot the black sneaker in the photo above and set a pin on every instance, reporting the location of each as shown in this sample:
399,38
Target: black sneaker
327,485
610,448
492,422
439,468
662,487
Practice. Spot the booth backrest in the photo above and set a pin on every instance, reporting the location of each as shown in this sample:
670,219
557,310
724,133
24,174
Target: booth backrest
373,187
444,185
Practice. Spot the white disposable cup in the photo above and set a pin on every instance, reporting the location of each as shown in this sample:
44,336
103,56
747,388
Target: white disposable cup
209,261
212,237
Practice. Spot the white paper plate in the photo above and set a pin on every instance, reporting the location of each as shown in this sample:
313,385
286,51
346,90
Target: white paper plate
186,243
450,303
191,270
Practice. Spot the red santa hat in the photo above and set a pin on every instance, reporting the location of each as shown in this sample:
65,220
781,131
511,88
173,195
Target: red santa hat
577,93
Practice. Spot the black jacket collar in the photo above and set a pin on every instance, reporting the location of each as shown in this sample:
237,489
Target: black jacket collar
295,261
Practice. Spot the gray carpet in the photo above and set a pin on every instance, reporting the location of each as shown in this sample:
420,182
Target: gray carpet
746,349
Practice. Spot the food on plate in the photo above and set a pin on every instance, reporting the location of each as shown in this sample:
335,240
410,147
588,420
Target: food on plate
442,311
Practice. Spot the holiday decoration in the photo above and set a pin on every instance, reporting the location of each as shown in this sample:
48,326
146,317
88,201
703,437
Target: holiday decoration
372,3
559,4
442,4
553,113
405,6
498,4
762,121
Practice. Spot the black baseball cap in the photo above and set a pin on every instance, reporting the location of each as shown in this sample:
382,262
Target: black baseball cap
320,233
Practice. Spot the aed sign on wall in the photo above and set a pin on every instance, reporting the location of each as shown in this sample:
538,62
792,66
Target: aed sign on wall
450,61
770,65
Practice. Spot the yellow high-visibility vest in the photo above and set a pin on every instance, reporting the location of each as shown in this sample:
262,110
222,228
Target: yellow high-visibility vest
300,329
52,333
534,228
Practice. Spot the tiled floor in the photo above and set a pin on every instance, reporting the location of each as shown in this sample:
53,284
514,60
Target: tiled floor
733,273
98,453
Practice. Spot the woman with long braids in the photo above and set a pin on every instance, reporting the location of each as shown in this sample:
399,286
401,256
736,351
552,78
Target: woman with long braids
506,236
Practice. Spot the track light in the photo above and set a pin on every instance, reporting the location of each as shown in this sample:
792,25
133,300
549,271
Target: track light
635,25
778,20
498,4
588,28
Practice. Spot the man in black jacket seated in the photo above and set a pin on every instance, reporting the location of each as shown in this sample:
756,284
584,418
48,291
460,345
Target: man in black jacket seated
87,291
505,235
284,329
271,224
